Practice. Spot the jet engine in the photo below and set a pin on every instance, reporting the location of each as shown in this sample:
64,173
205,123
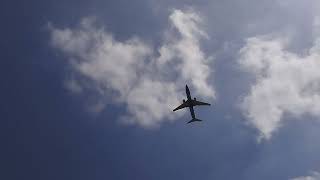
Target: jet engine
195,99
184,101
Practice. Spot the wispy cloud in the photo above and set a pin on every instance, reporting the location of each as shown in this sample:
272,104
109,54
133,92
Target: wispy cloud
148,82
313,176
286,82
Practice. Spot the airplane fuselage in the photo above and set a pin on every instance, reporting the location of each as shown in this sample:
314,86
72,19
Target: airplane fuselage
188,93
189,98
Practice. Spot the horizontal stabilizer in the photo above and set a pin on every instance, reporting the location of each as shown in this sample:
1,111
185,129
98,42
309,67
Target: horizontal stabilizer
193,120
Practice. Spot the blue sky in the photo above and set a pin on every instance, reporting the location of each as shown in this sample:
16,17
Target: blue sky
88,89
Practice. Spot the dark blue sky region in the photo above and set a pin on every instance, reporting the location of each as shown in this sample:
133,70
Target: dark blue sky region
48,133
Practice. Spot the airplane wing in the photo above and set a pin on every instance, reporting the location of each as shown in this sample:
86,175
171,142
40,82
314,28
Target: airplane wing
199,103
183,105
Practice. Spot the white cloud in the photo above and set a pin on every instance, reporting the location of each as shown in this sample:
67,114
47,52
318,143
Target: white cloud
149,85
314,176
286,82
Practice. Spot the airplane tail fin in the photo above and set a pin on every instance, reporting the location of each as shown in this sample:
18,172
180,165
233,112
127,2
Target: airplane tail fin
193,120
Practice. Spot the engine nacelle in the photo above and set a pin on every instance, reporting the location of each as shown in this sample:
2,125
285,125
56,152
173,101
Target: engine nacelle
184,101
195,99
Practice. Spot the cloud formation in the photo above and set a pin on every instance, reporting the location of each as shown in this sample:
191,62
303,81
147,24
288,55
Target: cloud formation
286,82
314,176
149,82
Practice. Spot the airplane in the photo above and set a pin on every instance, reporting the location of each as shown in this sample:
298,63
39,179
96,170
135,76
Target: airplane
190,103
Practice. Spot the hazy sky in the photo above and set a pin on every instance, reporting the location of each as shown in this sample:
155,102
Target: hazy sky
88,89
